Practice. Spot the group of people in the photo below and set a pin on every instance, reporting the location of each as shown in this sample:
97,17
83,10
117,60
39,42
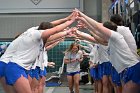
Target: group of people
22,66
114,62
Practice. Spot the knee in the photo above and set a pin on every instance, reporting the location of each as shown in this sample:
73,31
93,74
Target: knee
76,83
105,83
41,84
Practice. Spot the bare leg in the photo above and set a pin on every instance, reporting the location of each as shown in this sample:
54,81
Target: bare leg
106,84
42,84
22,85
112,85
131,87
76,82
119,89
30,79
34,85
100,86
70,82
95,86
7,88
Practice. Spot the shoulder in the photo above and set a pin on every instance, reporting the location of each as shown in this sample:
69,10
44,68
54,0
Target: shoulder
115,35
123,28
32,29
34,32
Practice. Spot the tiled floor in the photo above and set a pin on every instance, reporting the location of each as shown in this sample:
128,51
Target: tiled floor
83,89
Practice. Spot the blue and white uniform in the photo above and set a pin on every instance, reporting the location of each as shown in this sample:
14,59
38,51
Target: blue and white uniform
123,59
27,50
104,60
94,58
39,67
129,38
5,58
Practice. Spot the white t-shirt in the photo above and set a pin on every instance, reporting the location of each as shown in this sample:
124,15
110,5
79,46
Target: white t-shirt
129,38
103,53
45,59
74,66
121,56
93,55
9,51
41,61
28,49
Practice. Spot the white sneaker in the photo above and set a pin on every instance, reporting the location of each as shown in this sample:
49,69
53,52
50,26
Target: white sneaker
89,83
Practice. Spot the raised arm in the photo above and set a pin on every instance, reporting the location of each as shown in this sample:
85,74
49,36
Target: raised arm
89,46
48,32
106,33
85,48
88,42
85,36
98,38
60,21
82,24
53,41
53,44
59,35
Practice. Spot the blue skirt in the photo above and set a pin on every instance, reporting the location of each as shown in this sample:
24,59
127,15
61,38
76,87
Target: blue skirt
2,68
43,72
13,72
115,77
34,73
106,68
131,73
96,72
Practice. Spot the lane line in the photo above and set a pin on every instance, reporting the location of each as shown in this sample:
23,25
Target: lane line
50,90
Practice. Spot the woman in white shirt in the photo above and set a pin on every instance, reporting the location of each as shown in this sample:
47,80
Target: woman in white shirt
73,57
95,67
5,58
28,49
121,56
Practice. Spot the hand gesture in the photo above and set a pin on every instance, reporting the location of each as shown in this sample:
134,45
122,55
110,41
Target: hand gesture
92,65
73,60
73,14
80,23
51,64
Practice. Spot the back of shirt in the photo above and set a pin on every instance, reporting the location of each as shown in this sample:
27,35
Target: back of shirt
121,56
28,49
129,38
103,53
94,55
11,49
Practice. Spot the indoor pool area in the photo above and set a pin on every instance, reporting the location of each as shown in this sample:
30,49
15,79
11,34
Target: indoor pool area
70,46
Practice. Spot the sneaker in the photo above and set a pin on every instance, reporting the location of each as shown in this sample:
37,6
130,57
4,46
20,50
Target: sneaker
89,83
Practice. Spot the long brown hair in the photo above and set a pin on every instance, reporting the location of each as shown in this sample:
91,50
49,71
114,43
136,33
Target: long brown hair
71,46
